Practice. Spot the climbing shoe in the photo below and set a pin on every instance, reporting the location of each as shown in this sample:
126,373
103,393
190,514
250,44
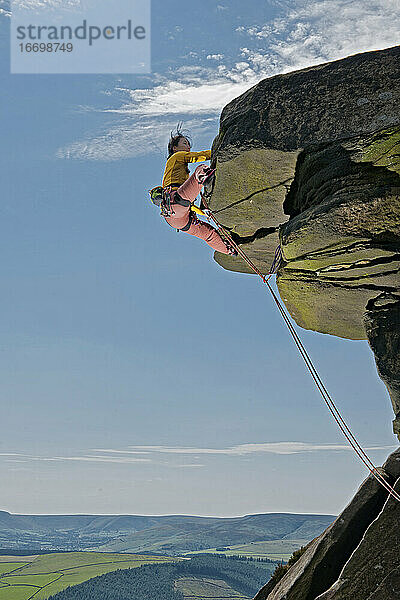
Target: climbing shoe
208,183
206,177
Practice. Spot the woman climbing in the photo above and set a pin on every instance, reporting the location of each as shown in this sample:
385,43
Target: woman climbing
180,190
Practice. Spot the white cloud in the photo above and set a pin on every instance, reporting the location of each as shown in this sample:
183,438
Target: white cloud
10,454
312,31
111,450
149,114
215,56
245,449
157,454
190,96
45,4
308,32
5,8
86,458
104,459
134,137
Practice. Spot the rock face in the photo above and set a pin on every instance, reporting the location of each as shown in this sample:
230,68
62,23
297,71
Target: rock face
311,160
357,556
343,240
322,146
382,323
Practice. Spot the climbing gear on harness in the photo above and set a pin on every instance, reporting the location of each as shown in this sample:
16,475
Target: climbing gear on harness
231,249
166,208
162,197
348,434
183,202
156,195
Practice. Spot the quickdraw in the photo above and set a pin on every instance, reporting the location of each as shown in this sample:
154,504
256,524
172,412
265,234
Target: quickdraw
166,208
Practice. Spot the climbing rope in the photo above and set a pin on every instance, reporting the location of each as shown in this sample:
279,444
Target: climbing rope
375,471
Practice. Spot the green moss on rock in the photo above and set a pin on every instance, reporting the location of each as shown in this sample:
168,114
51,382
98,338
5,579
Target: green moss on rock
383,150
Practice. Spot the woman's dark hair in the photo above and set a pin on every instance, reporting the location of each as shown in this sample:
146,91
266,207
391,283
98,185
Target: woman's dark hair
175,137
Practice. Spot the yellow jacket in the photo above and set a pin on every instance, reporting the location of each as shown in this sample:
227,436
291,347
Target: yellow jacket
176,170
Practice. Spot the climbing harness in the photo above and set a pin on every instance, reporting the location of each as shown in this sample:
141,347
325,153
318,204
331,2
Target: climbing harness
375,471
162,197
197,210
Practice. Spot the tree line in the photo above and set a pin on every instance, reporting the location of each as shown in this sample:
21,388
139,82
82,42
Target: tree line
152,582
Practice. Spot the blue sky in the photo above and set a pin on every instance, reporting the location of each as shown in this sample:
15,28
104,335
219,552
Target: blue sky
136,375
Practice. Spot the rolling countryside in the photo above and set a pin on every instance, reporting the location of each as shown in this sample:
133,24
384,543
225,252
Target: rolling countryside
41,576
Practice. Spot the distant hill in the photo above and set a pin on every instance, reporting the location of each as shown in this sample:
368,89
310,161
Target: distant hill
170,534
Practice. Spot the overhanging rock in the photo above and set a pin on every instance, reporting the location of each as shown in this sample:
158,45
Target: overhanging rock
322,146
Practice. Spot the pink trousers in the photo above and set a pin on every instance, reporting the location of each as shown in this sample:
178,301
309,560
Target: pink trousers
186,220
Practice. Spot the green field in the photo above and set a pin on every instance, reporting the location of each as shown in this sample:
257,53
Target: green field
202,588
274,550
7,567
48,574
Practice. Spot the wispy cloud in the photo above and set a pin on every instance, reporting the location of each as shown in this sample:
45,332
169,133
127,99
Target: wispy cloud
104,459
185,97
158,454
112,451
128,139
310,31
5,8
254,448
306,33
10,454
45,4
124,459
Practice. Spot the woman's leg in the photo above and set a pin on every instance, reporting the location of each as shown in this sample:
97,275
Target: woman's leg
192,187
187,221
206,232
183,197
